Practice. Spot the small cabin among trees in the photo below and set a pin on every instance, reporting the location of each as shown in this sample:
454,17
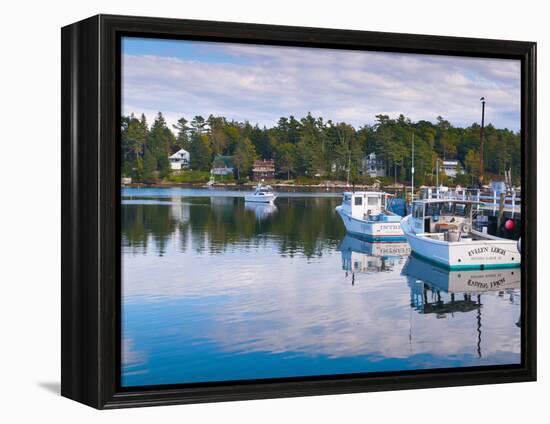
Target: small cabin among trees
179,160
222,166
263,169
452,168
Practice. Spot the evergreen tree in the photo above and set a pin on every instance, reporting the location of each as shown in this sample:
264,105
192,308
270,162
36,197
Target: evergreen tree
182,135
286,159
200,152
244,156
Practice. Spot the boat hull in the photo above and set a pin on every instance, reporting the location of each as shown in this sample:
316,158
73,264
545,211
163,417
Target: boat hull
371,230
476,254
259,199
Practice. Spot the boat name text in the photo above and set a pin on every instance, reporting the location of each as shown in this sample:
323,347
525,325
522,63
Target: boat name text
481,250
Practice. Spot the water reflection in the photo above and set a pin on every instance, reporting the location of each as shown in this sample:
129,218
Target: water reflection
211,292
261,211
298,225
464,281
366,257
443,293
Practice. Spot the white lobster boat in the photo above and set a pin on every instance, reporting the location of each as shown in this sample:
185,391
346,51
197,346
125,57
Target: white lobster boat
365,215
441,231
262,194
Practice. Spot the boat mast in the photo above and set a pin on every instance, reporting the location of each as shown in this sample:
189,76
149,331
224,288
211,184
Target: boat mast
412,170
349,161
437,176
481,142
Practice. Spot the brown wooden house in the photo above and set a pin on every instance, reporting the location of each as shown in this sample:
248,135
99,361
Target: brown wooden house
263,169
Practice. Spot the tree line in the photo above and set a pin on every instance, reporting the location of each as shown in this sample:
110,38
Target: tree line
311,147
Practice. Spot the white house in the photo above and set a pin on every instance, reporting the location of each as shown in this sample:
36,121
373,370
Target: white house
222,166
373,166
179,160
451,168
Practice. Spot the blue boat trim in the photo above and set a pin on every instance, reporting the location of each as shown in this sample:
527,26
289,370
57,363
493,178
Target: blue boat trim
368,237
463,267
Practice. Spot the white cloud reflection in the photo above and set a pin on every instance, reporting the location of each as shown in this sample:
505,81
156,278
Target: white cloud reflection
265,311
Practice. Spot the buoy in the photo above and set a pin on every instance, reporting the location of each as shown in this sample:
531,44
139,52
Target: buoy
510,225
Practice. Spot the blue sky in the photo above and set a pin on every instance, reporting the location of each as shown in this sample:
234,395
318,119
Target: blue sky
262,83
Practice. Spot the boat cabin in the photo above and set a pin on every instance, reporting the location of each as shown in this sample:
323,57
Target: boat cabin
262,190
437,216
364,204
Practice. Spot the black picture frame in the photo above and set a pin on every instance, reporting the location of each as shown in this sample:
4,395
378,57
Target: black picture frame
91,198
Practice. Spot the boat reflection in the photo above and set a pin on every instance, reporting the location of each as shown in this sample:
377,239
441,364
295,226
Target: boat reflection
261,211
185,321
463,281
369,257
442,292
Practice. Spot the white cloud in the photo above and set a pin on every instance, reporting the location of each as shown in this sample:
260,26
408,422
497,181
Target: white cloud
265,83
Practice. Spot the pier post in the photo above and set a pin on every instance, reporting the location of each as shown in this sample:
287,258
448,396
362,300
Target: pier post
501,204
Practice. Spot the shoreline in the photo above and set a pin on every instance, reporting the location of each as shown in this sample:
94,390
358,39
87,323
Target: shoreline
251,185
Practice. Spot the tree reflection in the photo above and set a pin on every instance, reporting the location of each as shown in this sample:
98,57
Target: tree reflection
306,225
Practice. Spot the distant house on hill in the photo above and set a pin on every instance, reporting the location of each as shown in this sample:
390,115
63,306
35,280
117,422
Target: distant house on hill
373,166
451,168
179,160
222,166
263,169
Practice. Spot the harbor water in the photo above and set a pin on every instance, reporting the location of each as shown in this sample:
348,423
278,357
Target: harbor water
216,289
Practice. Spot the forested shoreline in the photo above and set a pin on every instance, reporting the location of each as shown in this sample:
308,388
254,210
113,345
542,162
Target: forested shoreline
312,149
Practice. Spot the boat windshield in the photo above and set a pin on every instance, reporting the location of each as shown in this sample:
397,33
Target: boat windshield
447,209
263,189
372,200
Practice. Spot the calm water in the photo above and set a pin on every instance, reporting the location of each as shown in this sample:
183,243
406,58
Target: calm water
215,289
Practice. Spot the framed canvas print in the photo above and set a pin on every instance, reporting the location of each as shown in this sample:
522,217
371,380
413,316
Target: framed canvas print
255,211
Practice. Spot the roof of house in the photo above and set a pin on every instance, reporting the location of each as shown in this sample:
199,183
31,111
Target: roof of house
451,162
179,153
264,164
226,161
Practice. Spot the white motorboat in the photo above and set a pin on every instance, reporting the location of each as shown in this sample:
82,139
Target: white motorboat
442,231
262,194
365,215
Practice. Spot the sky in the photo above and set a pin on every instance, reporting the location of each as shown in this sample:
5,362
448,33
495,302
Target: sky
260,84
